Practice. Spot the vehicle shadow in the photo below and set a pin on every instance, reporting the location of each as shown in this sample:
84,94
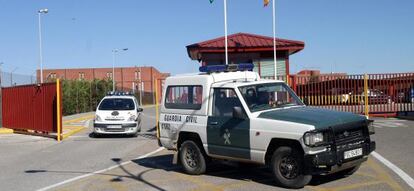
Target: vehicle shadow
229,170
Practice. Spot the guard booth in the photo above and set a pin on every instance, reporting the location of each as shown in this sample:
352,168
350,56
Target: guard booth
247,48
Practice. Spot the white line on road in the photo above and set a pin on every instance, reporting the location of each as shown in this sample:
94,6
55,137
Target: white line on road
99,171
395,168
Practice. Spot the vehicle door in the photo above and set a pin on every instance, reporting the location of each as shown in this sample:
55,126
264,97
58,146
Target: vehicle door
227,135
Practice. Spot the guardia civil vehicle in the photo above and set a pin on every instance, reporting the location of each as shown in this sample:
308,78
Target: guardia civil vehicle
117,113
229,113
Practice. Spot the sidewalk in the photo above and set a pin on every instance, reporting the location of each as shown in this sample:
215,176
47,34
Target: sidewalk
75,123
5,130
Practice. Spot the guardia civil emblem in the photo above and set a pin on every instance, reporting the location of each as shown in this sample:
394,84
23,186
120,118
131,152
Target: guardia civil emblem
226,137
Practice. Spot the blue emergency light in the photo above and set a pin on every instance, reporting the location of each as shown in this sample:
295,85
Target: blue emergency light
119,93
227,68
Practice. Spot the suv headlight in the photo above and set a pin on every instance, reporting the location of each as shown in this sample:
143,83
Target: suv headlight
313,139
98,118
132,118
371,128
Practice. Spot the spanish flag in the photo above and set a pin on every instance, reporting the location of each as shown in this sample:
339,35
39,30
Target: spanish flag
266,3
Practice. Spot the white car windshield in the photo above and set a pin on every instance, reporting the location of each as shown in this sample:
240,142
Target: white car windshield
260,97
117,104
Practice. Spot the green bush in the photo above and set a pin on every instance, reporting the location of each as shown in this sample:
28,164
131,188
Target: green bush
83,96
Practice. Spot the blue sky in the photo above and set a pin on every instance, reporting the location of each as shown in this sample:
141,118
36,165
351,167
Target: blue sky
353,36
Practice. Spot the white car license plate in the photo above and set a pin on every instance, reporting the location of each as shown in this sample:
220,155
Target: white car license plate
114,126
352,153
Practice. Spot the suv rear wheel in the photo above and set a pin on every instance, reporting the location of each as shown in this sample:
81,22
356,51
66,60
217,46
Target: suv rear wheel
288,168
192,159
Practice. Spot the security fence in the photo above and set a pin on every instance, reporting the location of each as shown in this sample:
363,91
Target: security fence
83,96
376,94
9,79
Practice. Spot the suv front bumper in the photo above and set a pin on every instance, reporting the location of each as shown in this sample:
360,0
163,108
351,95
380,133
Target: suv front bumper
331,161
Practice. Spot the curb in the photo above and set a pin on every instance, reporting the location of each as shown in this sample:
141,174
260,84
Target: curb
6,131
74,131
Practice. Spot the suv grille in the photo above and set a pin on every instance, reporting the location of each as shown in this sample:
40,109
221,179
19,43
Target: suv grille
348,135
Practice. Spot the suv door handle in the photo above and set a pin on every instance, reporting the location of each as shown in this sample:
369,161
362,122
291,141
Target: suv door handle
214,123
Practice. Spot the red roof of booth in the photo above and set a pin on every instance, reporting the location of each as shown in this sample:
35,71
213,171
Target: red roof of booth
244,42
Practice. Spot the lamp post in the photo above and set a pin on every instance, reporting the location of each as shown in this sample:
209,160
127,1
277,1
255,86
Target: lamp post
114,51
41,11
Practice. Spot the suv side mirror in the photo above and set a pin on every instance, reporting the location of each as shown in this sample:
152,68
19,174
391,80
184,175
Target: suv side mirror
238,113
140,109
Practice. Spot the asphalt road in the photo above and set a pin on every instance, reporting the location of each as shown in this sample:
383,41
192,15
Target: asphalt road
81,163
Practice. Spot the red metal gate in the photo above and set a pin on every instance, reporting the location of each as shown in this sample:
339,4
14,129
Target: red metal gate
32,107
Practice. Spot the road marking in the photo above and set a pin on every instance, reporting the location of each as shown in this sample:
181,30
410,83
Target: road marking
99,171
394,168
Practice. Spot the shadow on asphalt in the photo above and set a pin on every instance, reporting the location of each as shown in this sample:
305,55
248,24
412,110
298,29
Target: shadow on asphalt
227,170
230,170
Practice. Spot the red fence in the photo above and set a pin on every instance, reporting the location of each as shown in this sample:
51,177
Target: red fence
31,107
384,93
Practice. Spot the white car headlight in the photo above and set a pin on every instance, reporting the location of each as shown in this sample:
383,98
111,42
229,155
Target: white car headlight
314,138
98,118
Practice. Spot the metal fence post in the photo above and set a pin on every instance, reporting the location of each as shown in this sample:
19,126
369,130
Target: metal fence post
366,95
58,108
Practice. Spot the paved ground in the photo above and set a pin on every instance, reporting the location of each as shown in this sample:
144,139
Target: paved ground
32,163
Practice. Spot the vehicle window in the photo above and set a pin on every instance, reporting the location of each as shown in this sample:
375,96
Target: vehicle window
184,97
267,96
224,101
117,104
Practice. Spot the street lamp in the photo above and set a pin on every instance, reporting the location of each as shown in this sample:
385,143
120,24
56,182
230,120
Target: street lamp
114,51
41,11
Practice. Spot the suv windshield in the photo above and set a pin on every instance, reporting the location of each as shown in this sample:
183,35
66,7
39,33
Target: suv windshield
260,97
117,104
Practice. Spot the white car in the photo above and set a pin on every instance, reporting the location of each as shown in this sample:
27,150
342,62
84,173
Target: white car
117,113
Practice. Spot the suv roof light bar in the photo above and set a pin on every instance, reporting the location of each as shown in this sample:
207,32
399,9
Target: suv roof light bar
227,68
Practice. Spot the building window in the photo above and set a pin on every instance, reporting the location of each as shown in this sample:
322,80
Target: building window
53,75
184,97
109,75
81,76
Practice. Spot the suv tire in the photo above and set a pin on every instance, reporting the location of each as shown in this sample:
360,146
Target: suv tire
288,168
191,158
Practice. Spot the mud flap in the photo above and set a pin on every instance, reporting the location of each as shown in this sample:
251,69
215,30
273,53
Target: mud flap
175,158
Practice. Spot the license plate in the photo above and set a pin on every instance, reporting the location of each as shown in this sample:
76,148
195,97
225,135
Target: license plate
114,126
352,153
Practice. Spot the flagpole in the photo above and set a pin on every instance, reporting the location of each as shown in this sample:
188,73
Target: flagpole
274,38
225,32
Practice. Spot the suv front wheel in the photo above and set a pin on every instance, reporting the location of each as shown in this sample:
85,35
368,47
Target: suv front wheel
192,159
288,168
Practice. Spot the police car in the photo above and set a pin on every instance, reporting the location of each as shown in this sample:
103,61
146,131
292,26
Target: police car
118,113
235,115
